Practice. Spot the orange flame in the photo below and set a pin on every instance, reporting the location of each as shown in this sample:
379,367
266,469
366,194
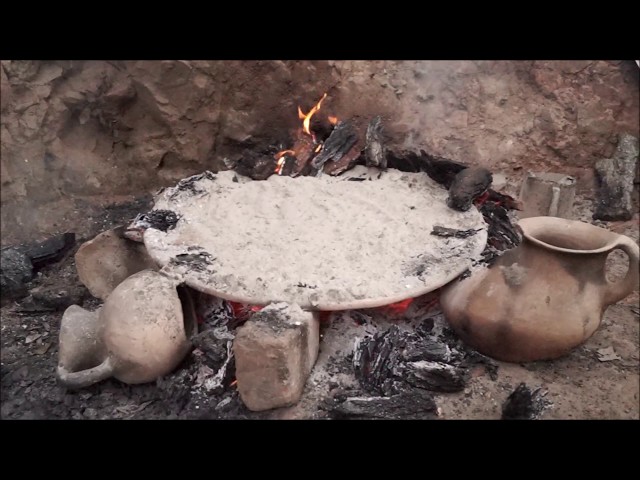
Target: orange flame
333,120
306,118
318,148
280,166
281,154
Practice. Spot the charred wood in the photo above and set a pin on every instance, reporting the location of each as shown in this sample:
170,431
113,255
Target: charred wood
343,137
435,376
452,232
524,404
374,150
407,405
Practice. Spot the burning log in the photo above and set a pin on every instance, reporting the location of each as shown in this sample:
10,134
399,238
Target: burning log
346,162
304,152
339,143
374,150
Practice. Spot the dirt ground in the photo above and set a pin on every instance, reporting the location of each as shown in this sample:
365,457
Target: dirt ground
579,386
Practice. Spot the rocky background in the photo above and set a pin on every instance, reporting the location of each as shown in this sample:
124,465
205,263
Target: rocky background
76,134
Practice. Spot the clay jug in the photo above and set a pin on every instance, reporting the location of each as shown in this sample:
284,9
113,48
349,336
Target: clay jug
141,333
543,298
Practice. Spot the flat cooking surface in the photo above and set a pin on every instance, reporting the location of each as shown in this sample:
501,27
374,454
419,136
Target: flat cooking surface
325,243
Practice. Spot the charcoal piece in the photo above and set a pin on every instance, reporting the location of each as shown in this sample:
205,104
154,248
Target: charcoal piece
616,175
198,260
376,359
255,165
374,150
216,345
426,349
342,138
452,232
51,250
524,404
190,185
435,376
163,220
501,234
407,405
347,161
468,185
471,357
16,271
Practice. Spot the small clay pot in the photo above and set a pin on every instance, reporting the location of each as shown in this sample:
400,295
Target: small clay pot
141,333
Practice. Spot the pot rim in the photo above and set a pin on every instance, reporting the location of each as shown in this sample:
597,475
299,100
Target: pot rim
568,224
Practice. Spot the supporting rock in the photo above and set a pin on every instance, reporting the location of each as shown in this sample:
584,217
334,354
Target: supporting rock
275,352
616,177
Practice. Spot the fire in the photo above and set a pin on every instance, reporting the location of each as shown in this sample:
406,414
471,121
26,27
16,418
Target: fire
333,120
318,148
281,154
306,118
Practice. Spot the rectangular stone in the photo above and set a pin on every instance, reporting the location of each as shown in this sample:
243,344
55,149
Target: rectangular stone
275,351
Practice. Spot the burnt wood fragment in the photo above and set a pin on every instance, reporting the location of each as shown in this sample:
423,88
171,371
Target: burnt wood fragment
435,376
426,349
502,234
374,150
524,404
343,137
407,405
376,359
255,165
452,232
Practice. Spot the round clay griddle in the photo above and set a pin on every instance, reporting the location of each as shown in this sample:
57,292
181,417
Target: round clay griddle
360,240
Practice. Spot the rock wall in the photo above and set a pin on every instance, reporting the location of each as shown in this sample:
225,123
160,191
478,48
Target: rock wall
77,133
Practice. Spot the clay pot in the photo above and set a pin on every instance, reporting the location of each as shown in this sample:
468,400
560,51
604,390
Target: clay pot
543,298
141,333
107,260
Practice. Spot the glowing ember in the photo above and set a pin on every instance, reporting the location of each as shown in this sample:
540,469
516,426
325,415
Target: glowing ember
280,166
242,311
306,118
399,308
318,148
333,120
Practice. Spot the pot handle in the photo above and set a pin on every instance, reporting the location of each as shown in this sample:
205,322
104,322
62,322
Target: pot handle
84,378
620,289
